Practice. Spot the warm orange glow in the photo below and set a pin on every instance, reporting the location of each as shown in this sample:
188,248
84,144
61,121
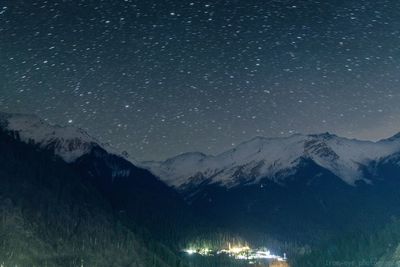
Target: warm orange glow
238,249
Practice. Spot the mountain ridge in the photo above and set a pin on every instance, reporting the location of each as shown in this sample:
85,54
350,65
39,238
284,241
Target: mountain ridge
262,157
130,188
53,214
68,142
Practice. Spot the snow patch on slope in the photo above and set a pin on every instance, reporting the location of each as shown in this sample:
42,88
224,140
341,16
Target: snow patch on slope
69,143
272,157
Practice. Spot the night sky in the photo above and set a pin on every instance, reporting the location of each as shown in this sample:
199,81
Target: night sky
158,78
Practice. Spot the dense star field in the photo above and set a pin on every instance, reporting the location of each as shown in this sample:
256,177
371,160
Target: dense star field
158,78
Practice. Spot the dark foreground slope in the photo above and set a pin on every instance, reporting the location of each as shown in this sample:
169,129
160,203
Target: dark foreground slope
52,216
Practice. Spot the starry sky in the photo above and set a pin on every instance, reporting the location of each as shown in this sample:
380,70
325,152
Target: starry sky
161,77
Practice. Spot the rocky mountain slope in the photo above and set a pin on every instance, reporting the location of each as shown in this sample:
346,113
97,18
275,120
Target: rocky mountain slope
275,159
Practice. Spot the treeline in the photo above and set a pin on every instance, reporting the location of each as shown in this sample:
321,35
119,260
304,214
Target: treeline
50,216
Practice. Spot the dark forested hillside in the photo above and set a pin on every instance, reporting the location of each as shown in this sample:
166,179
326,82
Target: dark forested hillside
52,216
313,205
373,248
136,195
101,210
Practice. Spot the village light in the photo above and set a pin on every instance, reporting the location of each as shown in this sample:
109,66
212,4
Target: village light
190,251
237,252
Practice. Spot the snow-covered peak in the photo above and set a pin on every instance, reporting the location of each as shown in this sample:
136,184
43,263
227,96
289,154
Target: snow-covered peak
263,157
182,166
69,143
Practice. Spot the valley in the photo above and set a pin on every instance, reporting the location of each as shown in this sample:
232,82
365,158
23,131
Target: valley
234,215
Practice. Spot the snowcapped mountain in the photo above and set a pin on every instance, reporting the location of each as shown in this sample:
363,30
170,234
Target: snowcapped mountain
275,159
295,186
69,143
126,187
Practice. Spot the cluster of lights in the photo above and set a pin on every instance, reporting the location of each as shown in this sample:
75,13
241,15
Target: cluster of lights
235,250
199,251
238,252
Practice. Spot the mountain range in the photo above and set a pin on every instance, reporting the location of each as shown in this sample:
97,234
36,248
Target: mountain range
276,159
301,189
